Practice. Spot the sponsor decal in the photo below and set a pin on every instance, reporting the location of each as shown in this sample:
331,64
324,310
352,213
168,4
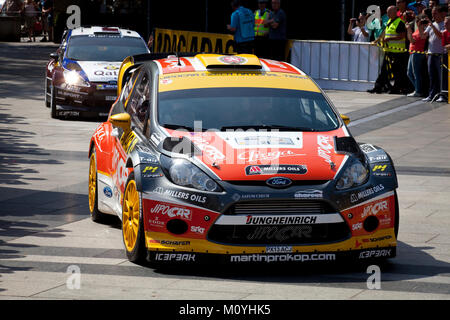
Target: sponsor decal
309,194
374,208
251,196
375,254
367,148
128,141
106,87
256,155
150,172
262,220
172,212
111,67
264,141
354,197
276,233
197,229
279,182
175,257
100,133
275,169
357,226
156,222
379,158
278,249
234,60
175,243
166,81
297,257
378,170
325,148
368,240
180,195
107,191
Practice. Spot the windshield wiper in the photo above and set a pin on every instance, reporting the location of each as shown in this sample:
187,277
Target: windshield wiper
268,127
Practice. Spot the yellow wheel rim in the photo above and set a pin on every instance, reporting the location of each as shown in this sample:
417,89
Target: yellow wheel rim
130,215
92,182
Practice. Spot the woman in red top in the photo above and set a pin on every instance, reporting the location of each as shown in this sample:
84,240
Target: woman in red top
417,58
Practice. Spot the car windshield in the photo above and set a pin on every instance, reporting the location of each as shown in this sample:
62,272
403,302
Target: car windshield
86,48
245,108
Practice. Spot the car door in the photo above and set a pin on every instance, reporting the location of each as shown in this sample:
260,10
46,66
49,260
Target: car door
126,141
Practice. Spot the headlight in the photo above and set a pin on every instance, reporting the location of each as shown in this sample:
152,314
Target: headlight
353,176
73,78
185,174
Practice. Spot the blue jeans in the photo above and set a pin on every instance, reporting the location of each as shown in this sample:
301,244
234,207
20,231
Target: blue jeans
416,65
434,71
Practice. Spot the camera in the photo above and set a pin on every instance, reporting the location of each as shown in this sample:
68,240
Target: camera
424,22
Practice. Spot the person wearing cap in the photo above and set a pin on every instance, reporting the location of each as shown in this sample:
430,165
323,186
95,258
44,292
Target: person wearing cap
417,7
261,30
243,27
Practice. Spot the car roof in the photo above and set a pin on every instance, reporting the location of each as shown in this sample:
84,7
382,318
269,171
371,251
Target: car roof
242,70
104,31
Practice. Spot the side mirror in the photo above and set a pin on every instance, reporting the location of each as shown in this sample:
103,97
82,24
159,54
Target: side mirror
121,120
54,56
346,119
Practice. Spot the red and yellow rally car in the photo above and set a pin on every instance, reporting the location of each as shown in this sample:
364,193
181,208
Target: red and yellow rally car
237,159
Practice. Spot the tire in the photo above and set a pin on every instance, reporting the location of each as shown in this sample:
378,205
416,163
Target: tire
397,217
47,101
96,215
132,222
53,103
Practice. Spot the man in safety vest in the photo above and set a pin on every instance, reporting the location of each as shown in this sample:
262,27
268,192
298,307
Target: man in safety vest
262,31
243,27
393,40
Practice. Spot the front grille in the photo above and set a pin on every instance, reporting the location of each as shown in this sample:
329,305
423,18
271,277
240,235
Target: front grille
291,234
279,234
281,207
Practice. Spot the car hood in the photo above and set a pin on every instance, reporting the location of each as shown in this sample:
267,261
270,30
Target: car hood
97,71
238,156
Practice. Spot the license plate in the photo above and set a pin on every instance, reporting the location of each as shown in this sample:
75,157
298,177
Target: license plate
110,98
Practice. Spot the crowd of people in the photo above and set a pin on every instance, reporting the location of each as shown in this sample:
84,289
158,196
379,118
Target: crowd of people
37,16
415,38
262,32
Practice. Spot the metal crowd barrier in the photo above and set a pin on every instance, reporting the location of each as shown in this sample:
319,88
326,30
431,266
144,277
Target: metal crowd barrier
338,65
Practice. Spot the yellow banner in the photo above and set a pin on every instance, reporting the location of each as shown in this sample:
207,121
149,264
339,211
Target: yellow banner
166,40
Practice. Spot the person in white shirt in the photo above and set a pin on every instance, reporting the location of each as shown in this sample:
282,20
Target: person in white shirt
359,32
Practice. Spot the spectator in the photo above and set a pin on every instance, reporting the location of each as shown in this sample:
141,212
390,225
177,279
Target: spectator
401,6
446,45
396,56
432,4
13,7
47,19
360,32
277,31
30,12
261,30
417,7
417,58
435,51
243,27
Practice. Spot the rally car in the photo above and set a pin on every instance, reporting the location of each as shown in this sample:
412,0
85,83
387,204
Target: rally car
237,159
81,76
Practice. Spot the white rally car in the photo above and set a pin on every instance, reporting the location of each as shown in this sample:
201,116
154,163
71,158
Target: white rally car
81,76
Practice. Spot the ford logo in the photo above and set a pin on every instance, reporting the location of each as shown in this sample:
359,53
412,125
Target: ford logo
279,182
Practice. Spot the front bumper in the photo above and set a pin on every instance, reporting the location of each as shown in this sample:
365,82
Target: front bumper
95,100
